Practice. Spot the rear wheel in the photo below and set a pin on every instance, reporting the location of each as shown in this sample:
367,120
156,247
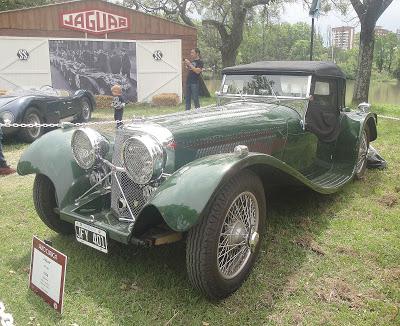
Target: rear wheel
222,248
45,200
30,134
363,146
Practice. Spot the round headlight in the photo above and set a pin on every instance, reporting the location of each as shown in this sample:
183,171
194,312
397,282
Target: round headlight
7,117
143,158
88,146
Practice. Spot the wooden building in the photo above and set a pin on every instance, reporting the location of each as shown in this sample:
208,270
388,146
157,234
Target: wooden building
98,20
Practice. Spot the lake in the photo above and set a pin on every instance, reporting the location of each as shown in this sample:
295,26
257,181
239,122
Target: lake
379,92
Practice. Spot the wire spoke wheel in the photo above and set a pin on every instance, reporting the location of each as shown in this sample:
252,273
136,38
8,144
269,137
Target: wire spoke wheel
362,153
240,222
222,248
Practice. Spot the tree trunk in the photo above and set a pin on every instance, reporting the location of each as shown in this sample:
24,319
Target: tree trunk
365,58
228,57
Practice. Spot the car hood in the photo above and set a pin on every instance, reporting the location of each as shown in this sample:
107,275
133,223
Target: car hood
216,130
223,121
6,99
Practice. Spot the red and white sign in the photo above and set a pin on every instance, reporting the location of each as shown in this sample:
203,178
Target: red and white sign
94,21
47,275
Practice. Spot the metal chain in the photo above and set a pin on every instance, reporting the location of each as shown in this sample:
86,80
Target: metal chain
62,124
97,123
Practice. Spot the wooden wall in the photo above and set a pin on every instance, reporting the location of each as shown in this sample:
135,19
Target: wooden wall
44,22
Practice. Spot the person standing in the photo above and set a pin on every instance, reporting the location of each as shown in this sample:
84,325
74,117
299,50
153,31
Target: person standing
4,168
118,103
195,67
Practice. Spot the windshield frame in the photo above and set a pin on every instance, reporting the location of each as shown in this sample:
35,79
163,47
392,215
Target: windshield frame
275,97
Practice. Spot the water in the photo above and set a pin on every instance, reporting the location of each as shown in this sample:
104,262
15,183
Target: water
379,92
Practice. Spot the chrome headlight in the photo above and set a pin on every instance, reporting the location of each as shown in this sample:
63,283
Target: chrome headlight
7,117
142,157
88,146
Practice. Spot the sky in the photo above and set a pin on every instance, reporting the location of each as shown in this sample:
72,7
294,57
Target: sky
294,13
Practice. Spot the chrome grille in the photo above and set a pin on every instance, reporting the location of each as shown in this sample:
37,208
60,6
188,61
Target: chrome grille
132,191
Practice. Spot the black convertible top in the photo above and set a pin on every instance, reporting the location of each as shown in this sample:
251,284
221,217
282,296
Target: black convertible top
316,68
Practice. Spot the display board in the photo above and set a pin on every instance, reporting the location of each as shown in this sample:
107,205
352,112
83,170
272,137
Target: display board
47,273
142,68
94,65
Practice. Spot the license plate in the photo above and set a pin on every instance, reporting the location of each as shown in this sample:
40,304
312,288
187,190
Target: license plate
91,236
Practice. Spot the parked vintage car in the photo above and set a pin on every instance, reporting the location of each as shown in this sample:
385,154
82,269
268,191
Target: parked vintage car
203,175
46,105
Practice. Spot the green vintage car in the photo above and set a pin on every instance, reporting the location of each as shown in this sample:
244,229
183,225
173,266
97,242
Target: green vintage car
203,175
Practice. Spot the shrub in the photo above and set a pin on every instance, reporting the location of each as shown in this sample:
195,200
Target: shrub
103,101
165,99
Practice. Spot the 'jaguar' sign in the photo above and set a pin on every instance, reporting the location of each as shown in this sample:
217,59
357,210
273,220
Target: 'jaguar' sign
94,21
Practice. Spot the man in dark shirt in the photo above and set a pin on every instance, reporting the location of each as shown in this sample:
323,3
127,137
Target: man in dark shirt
195,67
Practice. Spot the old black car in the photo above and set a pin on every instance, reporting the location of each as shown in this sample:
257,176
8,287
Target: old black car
46,105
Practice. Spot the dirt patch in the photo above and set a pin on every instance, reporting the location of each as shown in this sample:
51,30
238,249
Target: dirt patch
392,274
307,242
335,290
347,251
389,200
128,285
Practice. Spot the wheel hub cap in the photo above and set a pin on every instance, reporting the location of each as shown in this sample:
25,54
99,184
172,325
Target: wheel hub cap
235,233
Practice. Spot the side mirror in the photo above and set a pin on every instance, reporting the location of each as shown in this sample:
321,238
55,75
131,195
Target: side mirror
364,107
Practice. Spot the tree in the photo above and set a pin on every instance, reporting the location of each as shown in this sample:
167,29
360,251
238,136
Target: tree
228,18
368,13
16,4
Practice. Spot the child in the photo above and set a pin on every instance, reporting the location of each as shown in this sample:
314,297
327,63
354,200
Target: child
118,103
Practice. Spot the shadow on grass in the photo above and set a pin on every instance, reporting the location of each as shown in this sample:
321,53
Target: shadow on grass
155,279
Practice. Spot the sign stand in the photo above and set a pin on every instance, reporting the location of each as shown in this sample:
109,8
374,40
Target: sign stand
47,274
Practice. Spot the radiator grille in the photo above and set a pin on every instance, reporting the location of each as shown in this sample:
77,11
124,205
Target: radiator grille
132,191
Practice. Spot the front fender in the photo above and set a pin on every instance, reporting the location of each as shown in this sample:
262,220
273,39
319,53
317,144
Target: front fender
51,155
187,194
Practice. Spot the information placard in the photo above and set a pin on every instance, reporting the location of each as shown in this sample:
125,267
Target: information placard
47,275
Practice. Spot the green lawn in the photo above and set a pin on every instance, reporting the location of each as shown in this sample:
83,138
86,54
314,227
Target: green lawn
327,260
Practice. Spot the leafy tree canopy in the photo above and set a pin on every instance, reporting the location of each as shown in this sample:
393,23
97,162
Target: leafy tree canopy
17,4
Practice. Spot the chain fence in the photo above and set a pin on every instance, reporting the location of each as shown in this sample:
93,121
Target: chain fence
95,124
107,125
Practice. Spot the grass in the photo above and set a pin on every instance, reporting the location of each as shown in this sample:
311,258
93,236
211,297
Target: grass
331,260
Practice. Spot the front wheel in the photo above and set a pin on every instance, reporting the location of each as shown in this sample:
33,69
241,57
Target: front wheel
32,117
86,110
222,248
45,200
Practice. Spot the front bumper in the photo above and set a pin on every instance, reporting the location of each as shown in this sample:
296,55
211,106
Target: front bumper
94,210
